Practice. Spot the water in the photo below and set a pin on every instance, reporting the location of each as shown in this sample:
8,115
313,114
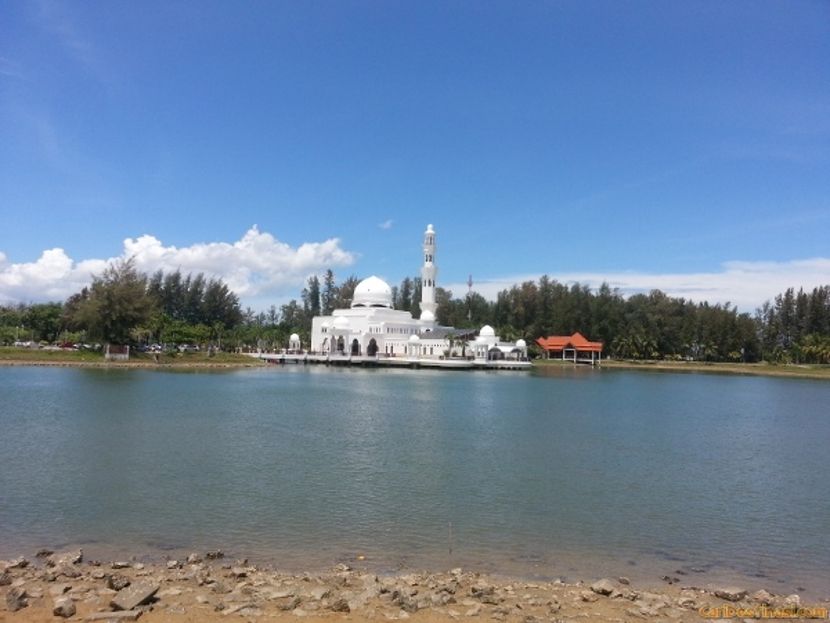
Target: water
565,472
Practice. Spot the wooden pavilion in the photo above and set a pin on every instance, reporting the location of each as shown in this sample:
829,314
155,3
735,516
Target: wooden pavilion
574,348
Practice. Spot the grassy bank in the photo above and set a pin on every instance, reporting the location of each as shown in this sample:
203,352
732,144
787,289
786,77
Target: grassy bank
756,369
25,356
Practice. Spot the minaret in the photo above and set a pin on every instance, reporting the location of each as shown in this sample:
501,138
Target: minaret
428,273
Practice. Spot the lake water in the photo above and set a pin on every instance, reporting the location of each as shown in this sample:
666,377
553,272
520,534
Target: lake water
564,472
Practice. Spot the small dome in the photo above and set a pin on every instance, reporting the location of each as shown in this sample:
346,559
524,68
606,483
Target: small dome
487,331
341,322
294,337
521,344
414,338
427,316
372,292
430,230
325,324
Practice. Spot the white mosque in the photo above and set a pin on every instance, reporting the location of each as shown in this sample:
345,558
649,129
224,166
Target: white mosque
372,329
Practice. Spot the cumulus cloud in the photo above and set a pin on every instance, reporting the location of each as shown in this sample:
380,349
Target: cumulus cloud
745,284
387,224
255,266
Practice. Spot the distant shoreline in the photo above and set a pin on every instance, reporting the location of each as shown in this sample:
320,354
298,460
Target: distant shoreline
81,359
22,357
804,371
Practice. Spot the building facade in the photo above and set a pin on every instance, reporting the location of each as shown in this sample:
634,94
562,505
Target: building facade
372,327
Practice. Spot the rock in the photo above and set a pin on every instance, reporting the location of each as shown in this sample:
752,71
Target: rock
219,587
70,557
792,600
44,553
340,605
201,599
474,611
123,615
238,608
588,596
762,597
66,570
279,594
5,578
134,595
624,580
59,589
215,554
320,593
63,607
173,564
239,572
34,593
291,605
17,563
121,564
603,587
97,575
16,599
194,558
116,582
481,590
730,593
342,567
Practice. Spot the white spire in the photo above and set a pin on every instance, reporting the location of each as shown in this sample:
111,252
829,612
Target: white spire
428,273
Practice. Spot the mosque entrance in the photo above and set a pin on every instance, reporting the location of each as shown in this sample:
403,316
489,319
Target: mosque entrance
355,347
372,348
341,346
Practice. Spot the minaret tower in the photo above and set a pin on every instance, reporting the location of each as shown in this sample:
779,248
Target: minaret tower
428,273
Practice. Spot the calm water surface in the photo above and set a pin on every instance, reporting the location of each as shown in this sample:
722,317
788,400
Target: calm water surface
574,473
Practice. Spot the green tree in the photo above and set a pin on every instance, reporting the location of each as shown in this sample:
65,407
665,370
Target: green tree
329,293
311,297
44,320
117,303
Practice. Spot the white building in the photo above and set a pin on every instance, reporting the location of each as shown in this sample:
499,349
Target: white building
372,328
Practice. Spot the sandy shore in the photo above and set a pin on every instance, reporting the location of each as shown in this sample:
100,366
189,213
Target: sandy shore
207,587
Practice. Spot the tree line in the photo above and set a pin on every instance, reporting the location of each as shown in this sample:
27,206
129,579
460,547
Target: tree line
123,305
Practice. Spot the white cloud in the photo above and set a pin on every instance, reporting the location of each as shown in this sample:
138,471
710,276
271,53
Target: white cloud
387,224
256,266
745,284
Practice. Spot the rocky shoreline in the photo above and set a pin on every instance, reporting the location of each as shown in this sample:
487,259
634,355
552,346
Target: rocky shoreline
209,587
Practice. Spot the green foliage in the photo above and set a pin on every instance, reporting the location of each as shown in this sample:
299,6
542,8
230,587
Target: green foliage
116,303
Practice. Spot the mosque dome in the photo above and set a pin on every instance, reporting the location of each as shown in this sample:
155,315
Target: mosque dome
487,331
521,344
414,338
294,337
372,292
428,316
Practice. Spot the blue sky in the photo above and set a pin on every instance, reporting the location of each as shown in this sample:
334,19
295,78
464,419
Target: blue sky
676,145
